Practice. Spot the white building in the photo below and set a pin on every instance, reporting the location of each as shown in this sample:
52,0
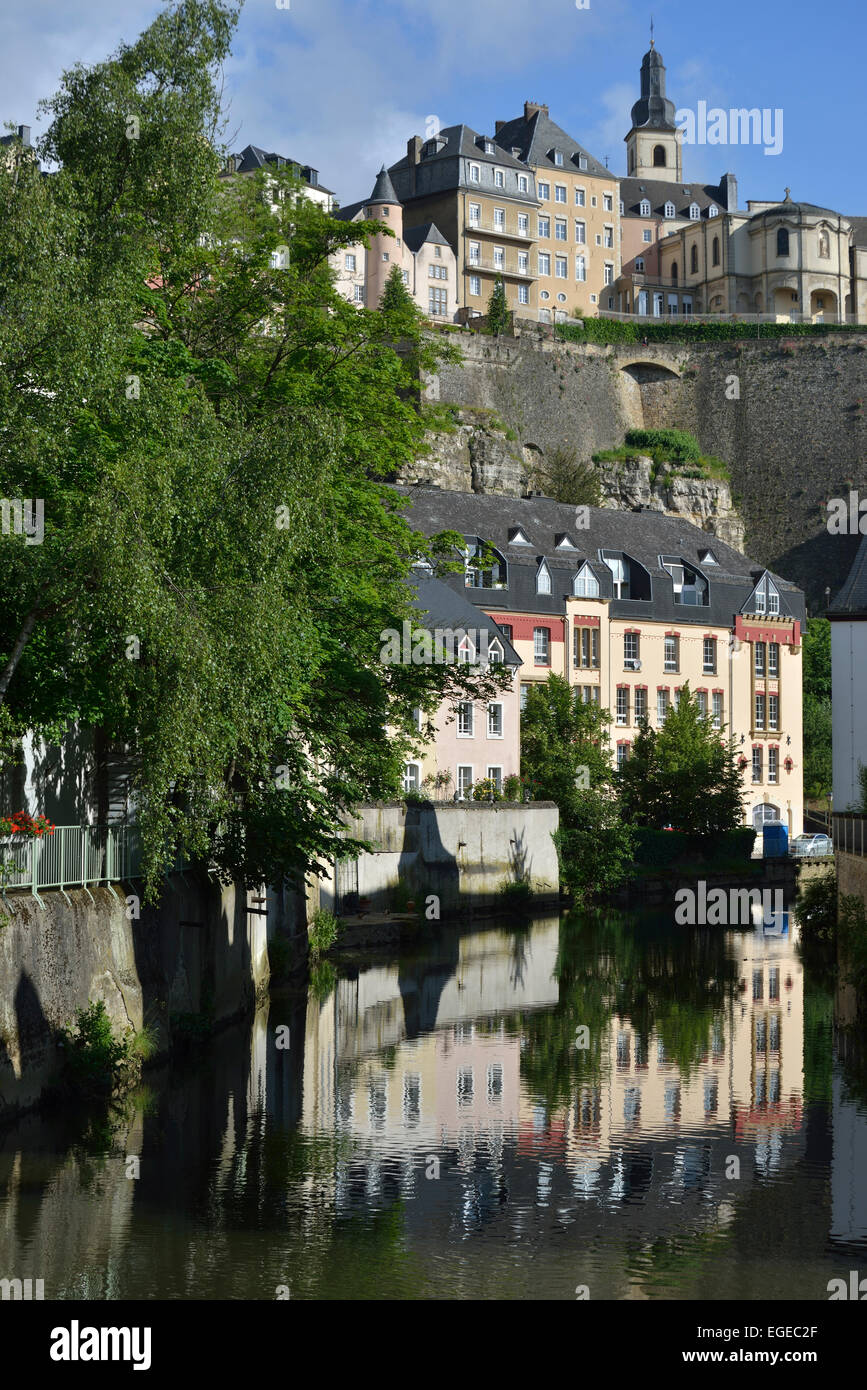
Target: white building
848,615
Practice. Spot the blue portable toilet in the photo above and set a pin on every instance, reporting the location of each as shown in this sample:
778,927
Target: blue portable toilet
775,840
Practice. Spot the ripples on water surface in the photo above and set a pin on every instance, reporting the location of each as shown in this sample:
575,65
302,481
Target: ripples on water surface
433,1130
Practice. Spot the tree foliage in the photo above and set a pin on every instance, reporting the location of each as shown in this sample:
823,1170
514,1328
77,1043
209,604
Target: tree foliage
498,309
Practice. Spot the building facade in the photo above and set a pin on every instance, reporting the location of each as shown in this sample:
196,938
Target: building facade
629,607
252,158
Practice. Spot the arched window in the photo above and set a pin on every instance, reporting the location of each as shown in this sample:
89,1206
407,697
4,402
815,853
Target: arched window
782,241
674,272
659,156
715,249
694,212
670,210
693,261
645,207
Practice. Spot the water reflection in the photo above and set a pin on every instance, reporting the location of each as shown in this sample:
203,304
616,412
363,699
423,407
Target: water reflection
654,1112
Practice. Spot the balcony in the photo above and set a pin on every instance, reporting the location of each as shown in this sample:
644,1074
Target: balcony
489,229
507,272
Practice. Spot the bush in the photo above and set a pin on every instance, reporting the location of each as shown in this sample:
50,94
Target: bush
512,788
486,789
517,895
322,932
676,445
816,908
612,331
95,1061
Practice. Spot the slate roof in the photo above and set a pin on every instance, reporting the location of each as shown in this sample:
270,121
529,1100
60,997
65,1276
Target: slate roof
661,191
644,536
653,110
790,207
447,608
416,237
441,170
253,157
537,135
383,189
852,598
859,227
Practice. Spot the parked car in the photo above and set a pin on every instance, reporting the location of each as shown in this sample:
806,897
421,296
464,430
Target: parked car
811,846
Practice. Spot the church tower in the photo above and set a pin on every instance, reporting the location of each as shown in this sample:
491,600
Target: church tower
653,145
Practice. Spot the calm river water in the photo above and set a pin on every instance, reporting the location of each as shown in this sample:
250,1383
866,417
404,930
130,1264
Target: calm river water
430,1126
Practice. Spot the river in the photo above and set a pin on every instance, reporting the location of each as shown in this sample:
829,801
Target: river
601,1105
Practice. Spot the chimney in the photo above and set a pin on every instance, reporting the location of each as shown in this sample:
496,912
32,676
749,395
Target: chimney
413,149
24,134
729,187
531,107
498,126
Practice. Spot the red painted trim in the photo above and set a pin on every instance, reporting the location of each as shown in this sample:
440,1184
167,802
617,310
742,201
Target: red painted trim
581,621
523,624
788,636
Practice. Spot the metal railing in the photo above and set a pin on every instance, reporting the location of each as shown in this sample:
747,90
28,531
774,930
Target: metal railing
74,856
828,320
849,832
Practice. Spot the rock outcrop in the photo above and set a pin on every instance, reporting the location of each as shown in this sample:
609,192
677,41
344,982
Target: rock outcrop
640,485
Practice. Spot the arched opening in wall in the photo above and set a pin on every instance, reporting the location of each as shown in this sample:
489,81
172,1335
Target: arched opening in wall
823,306
650,391
659,156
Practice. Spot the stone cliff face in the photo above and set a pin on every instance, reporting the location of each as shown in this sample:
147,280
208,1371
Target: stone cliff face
479,456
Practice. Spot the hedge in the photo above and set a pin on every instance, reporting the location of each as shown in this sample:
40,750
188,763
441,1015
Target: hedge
661,848
613,331
675,445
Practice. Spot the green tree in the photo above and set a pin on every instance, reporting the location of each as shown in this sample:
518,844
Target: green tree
817,708
564,477
682,774
498,309
208,422
396,298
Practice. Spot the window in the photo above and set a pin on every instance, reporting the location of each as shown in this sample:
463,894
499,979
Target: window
495,719
558,158
647,235
622,754
782,241
713,210
639,263
349,261
437,302
580,232
495,653
773,712
522,183
541,646
475,214
640,703
475,174
582,161
757,764
560,193
773,599
506,629
693,261
645,207
465,779
499,258
608,236
411,779
701,702
544,263
661,705
773,658
585,584
773,763
623,704
561,267
560,229
760,712
499,178
499,218
694,212
608,277
465,719
475,253
659,156
580,198
543,579
359,294
676,698
524,689
385,255
523,224
524,263
671,654
717,706
580,268
543,190
760,658
715,251
631,651
523,294
475,284
437,272
544,226
669,210
438,250
709,656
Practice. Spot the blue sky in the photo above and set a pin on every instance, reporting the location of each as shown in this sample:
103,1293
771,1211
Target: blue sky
342,84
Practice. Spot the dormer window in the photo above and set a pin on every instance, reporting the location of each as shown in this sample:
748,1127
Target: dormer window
585,584
582,161
562,542
645,207
558,158
713,210
669,210
475,174
765,597
495,653
485,567
543,579
689,587
517,537
631,579
694,212
707,557
489,147
466,652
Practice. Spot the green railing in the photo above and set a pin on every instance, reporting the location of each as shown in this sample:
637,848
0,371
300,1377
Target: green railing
75,856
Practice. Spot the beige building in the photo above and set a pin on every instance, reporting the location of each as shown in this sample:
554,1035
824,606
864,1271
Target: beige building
426,261
577,229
